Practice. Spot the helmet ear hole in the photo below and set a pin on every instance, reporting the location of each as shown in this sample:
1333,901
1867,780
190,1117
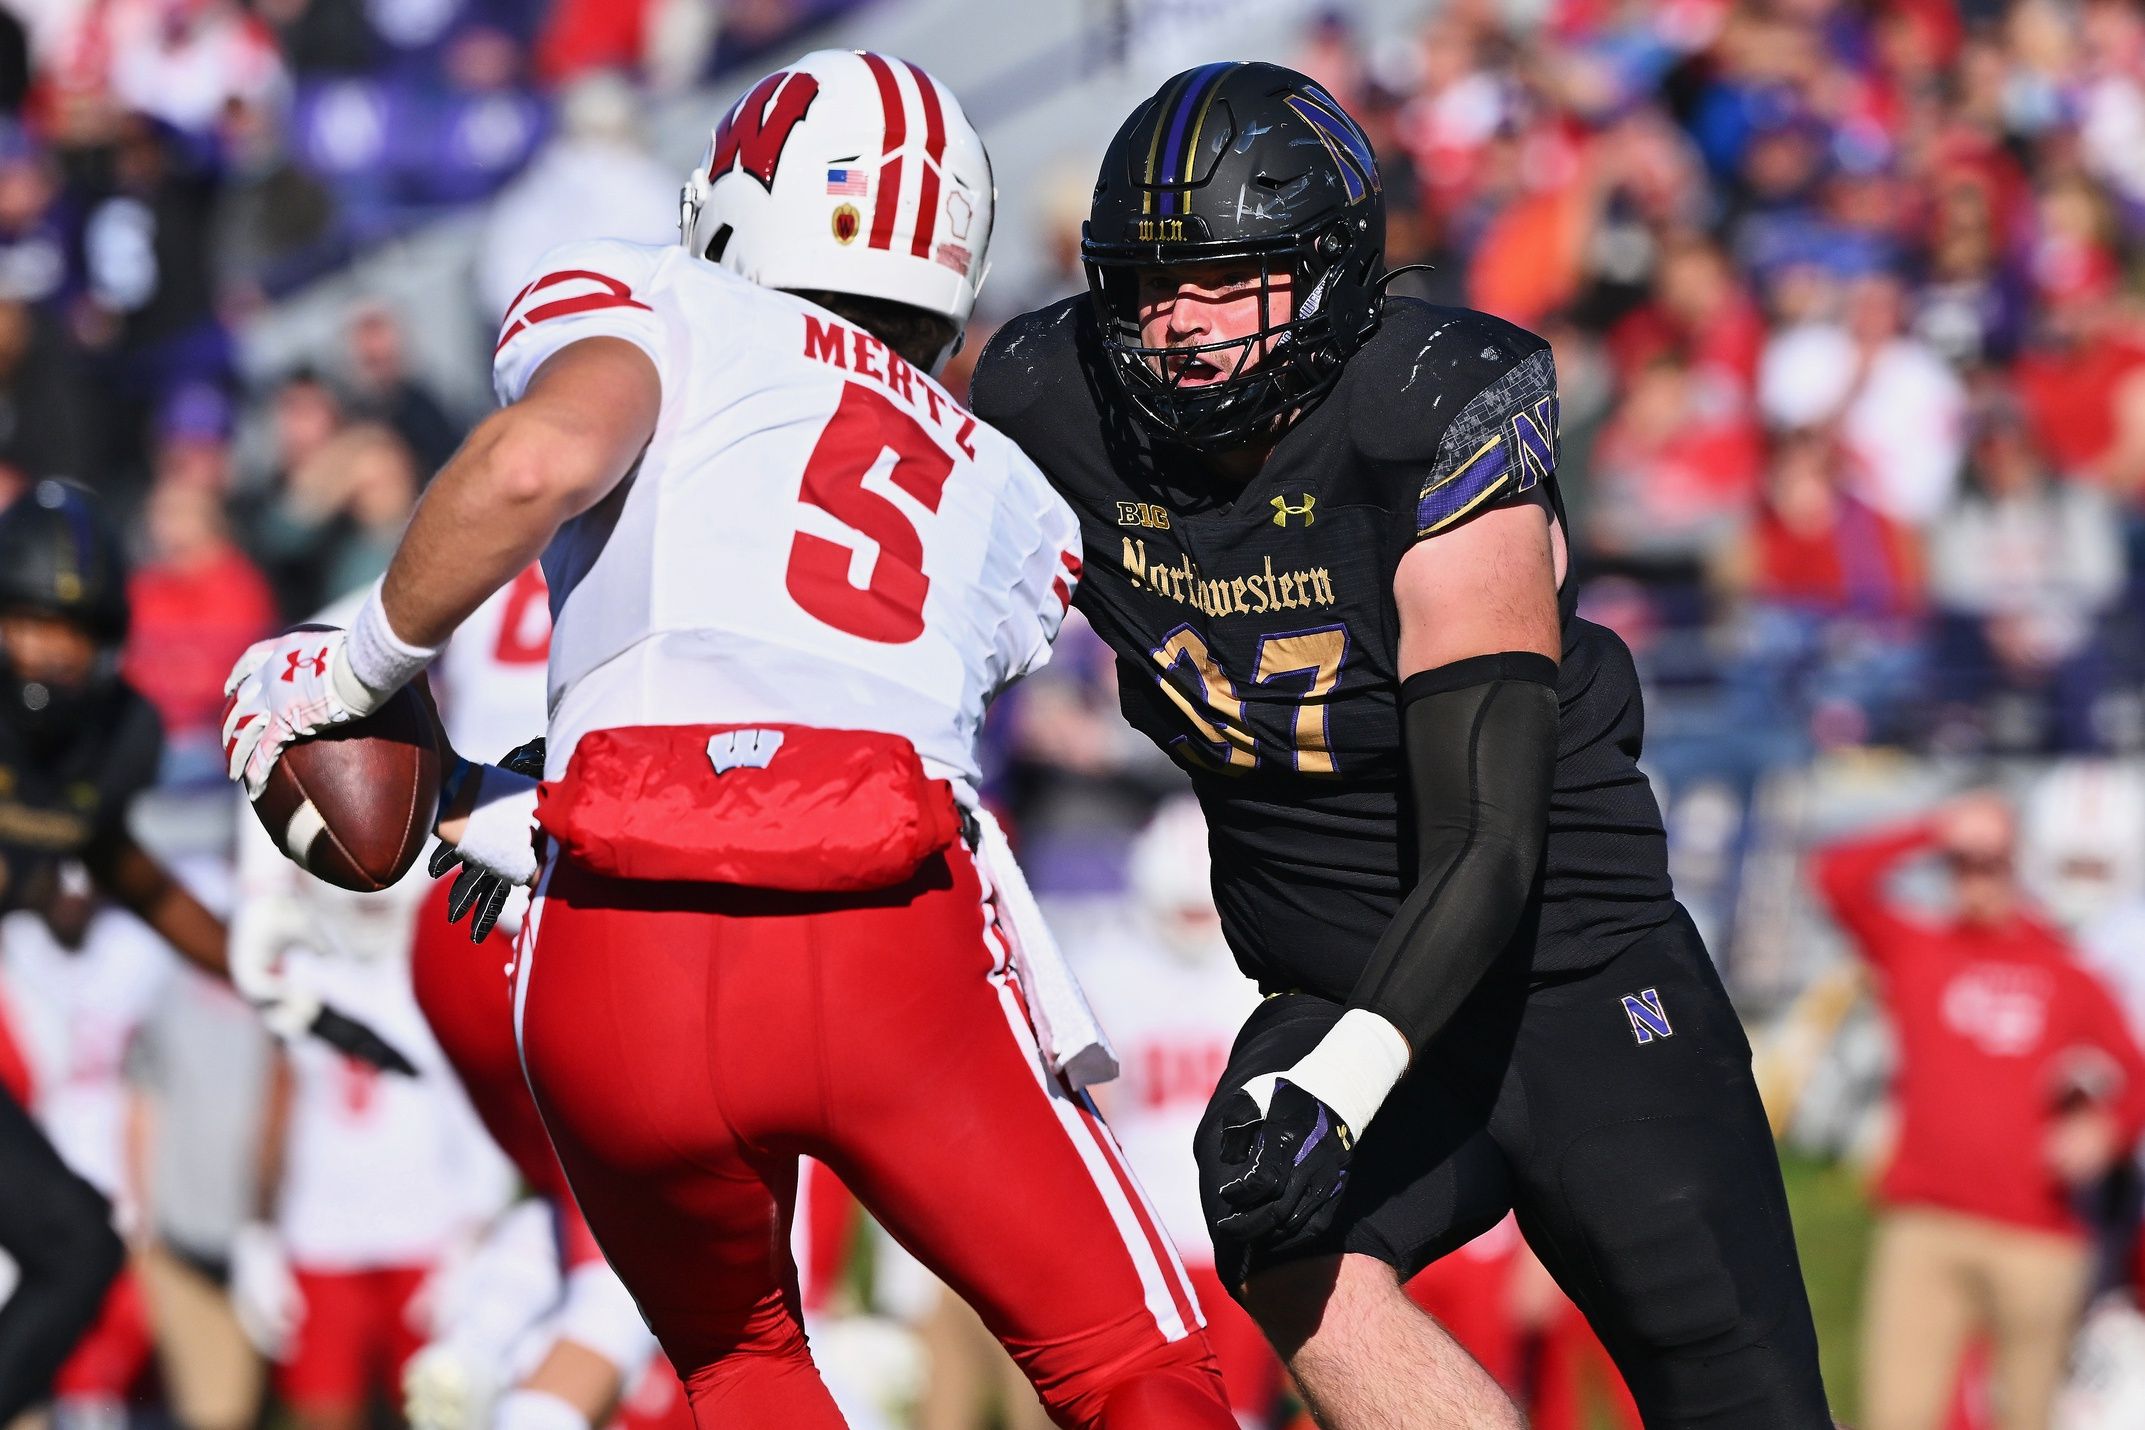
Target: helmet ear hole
721,240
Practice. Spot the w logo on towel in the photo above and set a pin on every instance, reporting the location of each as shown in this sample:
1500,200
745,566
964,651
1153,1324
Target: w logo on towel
743,749
1648,1021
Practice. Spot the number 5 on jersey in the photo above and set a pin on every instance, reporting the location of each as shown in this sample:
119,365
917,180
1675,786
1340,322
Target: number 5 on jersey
889,606
1222,737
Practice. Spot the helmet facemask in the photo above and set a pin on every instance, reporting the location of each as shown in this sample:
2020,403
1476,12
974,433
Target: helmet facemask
1272,374
1238,162
47,711
61,565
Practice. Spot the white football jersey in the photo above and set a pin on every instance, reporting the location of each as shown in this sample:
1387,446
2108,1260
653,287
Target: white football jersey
817,534
1172,1020
490,680
77,1013
379,1169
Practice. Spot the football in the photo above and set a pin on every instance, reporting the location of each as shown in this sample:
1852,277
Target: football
355,806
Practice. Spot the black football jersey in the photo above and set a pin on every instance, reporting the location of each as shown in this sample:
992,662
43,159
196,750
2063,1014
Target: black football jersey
1257,636
62,796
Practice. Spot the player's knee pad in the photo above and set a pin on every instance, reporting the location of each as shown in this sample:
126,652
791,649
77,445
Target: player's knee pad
598,1312
1165,1384
1697,1295
1703,1268
770,1382
1172,1396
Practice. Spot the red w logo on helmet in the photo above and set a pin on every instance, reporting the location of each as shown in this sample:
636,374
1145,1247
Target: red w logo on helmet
754,134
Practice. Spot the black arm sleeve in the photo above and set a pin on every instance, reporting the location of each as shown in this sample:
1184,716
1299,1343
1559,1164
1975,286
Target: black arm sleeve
1481,739
59,1231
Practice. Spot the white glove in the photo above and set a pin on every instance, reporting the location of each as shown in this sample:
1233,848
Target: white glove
496,837
284,689
264,928
299,683
443,1388
264,1295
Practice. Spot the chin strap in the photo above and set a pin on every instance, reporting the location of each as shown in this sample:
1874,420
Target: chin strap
1390,274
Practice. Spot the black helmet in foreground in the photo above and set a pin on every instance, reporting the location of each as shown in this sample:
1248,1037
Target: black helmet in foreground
60,555
1239,162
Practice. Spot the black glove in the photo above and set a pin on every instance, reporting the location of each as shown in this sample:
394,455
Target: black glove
347,1035
1281,1174
476,888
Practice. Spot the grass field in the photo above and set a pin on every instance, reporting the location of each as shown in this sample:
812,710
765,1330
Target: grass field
1832,1228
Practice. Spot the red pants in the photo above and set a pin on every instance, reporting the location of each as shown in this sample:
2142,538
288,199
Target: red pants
114,1351
1571,1356
354,1337
15,1077
654,1402
687,1043
1250,1371
466,993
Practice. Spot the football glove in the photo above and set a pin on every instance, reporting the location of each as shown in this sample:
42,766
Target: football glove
268,924
1281,1172
301,682
284,689
265,1296
480,891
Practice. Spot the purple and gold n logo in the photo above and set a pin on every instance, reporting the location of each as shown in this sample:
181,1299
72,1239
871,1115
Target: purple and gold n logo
1350,150
1648,1021
1534,440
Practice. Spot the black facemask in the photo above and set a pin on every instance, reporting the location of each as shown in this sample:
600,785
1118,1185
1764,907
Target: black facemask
48,714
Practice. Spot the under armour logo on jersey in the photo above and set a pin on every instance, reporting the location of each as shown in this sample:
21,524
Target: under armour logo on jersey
743,749
1648,1021
1283,511
316,662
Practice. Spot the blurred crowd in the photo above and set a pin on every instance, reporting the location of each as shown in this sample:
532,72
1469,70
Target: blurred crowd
170,169
1845,310
1848,309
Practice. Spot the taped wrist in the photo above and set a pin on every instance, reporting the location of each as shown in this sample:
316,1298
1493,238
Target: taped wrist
499,834
1350,1070
376,662
1481,741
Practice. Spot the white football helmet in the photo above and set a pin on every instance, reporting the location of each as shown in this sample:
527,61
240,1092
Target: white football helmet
848,172
2082,848
1171,878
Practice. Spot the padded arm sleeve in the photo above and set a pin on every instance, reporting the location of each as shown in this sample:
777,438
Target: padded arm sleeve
1481,739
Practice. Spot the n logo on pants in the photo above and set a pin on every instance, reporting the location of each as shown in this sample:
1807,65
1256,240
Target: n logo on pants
1648,1021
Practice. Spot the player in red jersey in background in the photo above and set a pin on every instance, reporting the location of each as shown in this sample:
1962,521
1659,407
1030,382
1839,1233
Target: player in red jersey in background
762,932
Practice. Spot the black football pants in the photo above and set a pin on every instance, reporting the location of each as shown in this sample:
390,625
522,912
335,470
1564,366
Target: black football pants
1615,1111
58,1229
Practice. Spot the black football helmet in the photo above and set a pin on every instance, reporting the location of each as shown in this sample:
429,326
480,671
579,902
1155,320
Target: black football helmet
1239,161
60,555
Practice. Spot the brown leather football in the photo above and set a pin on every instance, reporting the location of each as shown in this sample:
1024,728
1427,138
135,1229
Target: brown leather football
355,805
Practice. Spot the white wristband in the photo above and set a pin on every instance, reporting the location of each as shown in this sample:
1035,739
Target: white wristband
377,662
1351,1070
502,821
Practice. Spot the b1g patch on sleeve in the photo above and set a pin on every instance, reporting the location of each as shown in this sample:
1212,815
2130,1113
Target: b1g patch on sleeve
1502,443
